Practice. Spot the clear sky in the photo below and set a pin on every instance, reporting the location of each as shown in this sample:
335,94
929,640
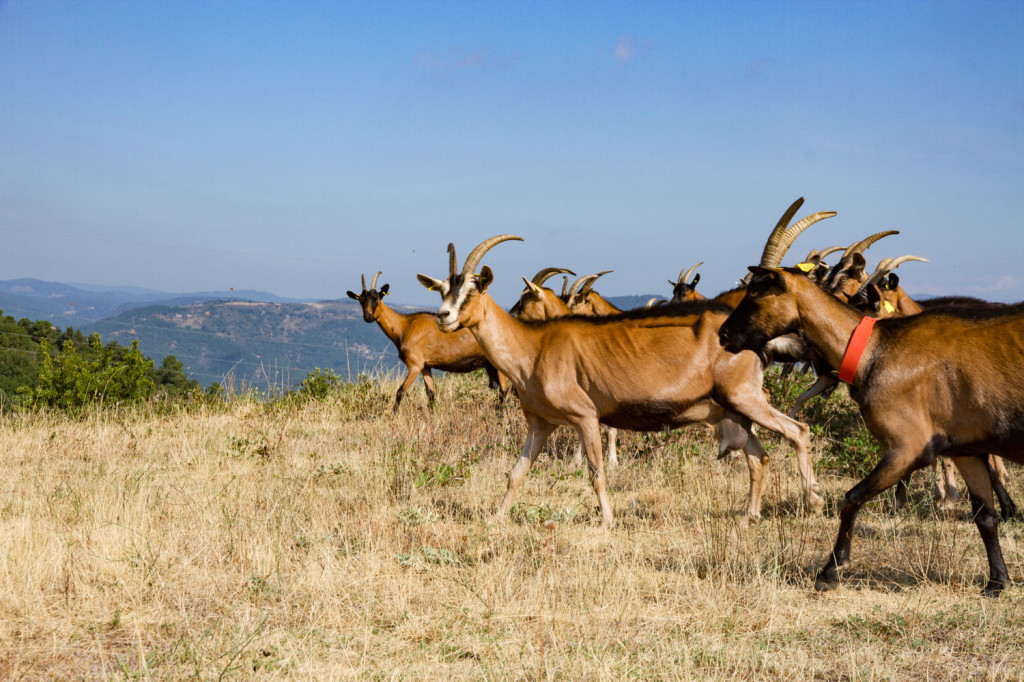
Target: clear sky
291,146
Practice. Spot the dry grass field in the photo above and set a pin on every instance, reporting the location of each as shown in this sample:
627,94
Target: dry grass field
330,540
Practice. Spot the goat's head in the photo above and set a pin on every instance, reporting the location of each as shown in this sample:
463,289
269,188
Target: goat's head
370,299
582,294
879,295
845,278
461,291
767,311
682,290
539,303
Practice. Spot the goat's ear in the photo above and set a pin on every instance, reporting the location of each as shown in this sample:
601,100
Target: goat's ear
484,279
696,278
384,289
858,263
893,282
429,282
533,288
352,295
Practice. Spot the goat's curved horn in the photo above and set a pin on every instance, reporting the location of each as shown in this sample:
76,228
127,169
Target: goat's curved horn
584,284
824,253
546,274
452,262
884,268
864,244
684,277
565,284
773,252
363,277
653,301
793,231
373,284
473,259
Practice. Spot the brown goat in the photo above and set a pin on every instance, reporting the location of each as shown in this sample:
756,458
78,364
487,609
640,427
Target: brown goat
947,381
645,371
537,304
422,346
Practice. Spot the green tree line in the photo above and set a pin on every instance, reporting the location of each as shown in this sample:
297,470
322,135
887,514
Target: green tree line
44,366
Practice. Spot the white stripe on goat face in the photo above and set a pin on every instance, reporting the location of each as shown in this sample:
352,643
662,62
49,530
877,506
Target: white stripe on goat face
458,290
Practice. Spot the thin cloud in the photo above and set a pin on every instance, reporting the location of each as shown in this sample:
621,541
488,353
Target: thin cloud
455,61
756,68
625,49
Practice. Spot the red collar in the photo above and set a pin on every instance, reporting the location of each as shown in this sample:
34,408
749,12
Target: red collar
855,349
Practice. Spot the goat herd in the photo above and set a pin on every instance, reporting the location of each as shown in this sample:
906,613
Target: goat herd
938,377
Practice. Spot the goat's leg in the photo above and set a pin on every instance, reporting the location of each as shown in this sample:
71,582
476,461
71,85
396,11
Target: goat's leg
748,401
946,494
537,434
497,381
428,383
975,471
823,383
589,431
613,455
412,371
757,465
895,465
997,474
903,491
734,433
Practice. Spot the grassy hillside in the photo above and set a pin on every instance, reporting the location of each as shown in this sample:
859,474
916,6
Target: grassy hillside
329,540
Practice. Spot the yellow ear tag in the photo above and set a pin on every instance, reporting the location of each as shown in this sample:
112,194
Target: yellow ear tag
805,267
889,307
433,287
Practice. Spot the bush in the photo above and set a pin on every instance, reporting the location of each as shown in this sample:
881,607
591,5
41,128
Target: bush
69,381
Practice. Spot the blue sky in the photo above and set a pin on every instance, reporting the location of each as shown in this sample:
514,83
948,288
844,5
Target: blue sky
291,146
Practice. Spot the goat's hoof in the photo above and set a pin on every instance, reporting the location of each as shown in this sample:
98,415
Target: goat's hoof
815,503
993,589
825,582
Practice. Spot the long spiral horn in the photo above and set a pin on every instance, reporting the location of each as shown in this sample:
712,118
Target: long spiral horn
473,259
773,252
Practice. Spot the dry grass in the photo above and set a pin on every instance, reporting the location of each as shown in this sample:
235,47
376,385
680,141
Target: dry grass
330,540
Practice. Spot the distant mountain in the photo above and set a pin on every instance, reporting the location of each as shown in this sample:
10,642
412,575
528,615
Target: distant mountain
76,305
260,344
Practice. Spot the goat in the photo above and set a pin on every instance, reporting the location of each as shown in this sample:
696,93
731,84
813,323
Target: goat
422,346
683,290
583,300
537,304
891,301
645,370
944,382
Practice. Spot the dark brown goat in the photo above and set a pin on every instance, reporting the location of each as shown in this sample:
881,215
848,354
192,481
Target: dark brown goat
944,382
422,346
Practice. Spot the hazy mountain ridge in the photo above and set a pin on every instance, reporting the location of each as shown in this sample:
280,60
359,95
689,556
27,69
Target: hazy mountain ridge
261,344
80,304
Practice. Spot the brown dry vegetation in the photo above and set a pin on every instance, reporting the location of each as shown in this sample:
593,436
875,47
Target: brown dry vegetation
330,540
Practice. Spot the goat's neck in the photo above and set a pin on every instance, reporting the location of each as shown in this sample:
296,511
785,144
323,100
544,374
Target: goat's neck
392,323
826,322
509,344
